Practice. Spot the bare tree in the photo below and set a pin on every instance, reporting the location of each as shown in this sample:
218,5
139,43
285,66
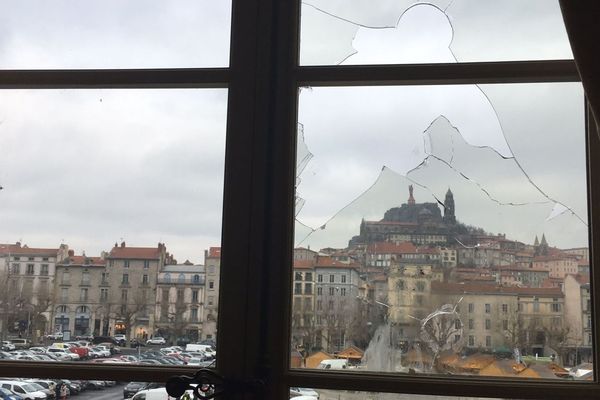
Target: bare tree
127,312
442,330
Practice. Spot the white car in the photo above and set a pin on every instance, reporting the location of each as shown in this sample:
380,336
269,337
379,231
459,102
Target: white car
156,340
7,346
63,354
296,392
105,350
24,389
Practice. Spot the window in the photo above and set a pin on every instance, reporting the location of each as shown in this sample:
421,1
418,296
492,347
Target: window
15,270
298,276
64,295
331,278
471,340
488,308
298,288
488,324
146,264
308,276
471,324
342,291
505,324
211,284
308,288
343,278
319,305
104,278
44,270
144,279
85,278
504,308
254,244
536,305
123,295
194,314
320,278
471,307
126,264
195,296
196,279
331,291
488,341
319,291
556,307
66,278
103,295
125,279
30,269
83,295
457,324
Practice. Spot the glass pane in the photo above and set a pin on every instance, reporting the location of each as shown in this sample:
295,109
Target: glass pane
443,229
114,34
441,31
324,394
111,224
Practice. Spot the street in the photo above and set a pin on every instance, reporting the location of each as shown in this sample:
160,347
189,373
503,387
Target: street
110,393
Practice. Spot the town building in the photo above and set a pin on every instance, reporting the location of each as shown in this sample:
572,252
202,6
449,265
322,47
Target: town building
179,312
212,262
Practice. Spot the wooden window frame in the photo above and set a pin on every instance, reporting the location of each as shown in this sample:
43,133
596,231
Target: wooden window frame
258,207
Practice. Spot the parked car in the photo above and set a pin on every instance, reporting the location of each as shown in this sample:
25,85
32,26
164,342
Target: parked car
6,394
136,343
8,346
121,339
55,336
24,389
63,354
156,340
132,388
21,343
298,391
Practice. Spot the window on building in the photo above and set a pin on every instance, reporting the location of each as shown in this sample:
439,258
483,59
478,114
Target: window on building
471,324
298,288
211,284
83,295
196,279
66,278
85,278
331,291
180,295
488,324
505,324
30,269
146,264
504,308
194,314
319,305
64,294
343,278
125,279
126,264
488,308
31,258
536,305
308,276
194,296
16,258
471,307
103,295
342,291
62,309
320,278
488,341
44,270
123,295
308,288
331,278
144,279
471,340
556,307
319,291
298,276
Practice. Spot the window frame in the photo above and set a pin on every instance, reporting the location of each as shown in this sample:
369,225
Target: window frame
258,204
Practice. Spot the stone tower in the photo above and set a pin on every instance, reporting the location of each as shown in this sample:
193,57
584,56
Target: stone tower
449,217
411,199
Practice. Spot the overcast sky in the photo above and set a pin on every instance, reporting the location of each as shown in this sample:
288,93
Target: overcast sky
91,167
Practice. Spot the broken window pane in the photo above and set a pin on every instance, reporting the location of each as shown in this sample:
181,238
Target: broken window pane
114,34
442,227
443,31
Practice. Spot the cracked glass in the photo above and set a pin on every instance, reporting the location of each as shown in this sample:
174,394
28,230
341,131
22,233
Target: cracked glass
442,230
442,31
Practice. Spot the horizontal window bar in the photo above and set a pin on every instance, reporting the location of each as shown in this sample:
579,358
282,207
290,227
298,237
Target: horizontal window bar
455,386
115,78
75,370
439,74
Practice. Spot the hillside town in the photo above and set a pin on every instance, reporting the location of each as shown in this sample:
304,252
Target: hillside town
417,290
452,297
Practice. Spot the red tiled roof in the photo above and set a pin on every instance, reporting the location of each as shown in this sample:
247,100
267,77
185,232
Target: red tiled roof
17,249
307,264
214,252
83,260
392,248
483,288
137,253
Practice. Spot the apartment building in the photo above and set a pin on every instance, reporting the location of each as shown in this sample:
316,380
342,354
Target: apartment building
212,262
